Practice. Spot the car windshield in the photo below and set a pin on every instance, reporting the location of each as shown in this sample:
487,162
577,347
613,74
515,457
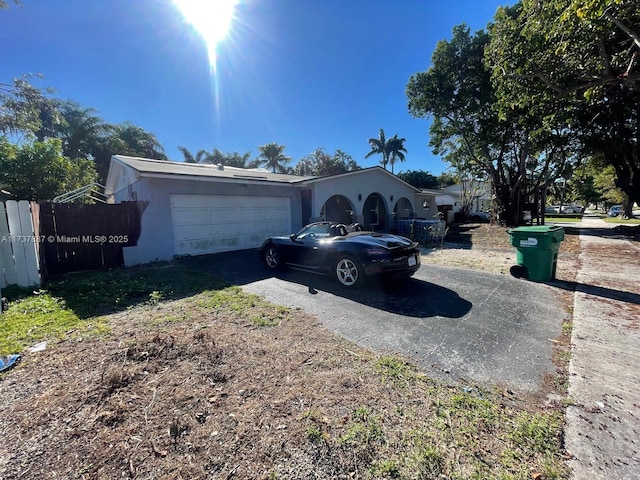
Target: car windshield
320,230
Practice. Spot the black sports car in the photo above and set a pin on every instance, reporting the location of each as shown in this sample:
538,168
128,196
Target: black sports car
349,254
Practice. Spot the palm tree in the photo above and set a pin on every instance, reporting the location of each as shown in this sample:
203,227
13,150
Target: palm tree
236,160
139,142
391,150
304,167
347,160
188,156
125,139
379,146
215,157
272,156
83,130
395,150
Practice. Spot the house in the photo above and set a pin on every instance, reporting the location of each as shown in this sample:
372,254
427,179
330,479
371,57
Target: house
477,195
445,203
195,209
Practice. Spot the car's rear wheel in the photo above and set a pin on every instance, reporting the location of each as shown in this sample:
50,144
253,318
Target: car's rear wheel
348,271
272,257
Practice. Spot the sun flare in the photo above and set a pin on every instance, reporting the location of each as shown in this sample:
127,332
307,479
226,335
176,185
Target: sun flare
210,18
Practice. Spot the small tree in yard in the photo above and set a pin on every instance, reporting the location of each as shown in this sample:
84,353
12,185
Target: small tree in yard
39,171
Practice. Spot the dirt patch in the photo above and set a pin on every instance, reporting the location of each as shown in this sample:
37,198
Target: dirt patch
488,248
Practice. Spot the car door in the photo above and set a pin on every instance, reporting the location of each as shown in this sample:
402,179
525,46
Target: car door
304,251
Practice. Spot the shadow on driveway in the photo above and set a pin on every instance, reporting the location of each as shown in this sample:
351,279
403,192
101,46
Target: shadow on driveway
411,297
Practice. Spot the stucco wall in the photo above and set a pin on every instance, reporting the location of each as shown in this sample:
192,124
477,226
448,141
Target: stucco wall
358,186
156,238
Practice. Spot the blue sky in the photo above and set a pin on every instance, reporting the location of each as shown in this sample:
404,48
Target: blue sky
303,73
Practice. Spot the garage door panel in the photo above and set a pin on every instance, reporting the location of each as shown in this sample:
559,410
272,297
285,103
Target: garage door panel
189,201
218,223
225,215
192,217
190,232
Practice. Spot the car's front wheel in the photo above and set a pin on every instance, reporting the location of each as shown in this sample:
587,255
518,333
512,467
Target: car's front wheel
348,271
272,257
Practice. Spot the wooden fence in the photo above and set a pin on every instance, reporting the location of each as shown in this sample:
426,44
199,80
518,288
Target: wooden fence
40,240
86,236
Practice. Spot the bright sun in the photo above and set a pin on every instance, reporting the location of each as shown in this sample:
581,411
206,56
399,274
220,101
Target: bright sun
211,18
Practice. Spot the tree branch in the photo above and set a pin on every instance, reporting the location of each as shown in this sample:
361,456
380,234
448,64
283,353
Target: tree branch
602,50
563,92
634,57
622,26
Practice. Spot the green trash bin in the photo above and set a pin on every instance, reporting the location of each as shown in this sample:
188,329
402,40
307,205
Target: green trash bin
537,251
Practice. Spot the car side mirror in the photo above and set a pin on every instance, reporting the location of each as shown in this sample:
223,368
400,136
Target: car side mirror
293,237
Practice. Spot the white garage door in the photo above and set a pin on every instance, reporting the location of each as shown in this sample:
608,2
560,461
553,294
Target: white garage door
221,223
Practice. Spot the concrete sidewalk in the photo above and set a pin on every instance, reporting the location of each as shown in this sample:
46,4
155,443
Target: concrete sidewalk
603,423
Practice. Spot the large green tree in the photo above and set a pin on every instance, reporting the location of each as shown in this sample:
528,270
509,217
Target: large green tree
391,149
39,170
379,147
419,179
456,93
346,161
509,147
577,59
272,157
28,112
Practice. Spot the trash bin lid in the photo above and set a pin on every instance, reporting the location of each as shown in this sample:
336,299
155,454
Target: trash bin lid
536,229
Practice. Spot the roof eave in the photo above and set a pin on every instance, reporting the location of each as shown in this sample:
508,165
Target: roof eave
204,178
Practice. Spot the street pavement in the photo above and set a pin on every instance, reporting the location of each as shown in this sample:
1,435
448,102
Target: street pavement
603,420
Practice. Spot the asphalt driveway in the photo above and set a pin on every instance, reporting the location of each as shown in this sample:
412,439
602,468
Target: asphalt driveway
454,323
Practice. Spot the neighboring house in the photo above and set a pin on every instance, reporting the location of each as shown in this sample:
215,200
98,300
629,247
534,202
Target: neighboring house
194,209
481,201
445,203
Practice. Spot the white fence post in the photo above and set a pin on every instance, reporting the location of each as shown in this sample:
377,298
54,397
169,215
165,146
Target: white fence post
18,251
8,273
